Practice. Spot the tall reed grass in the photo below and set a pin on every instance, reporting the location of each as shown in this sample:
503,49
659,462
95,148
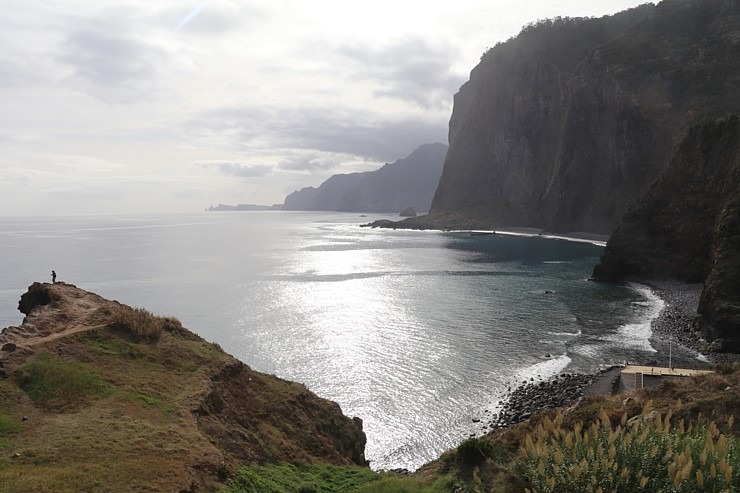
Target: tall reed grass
652,454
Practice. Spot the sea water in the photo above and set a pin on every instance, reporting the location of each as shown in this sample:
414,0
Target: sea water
416,332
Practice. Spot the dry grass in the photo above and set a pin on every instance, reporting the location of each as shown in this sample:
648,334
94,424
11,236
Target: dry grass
142,324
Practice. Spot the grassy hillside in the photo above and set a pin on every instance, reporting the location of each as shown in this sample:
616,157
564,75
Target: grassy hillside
96,396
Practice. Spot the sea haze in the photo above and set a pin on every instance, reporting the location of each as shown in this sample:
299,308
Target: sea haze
417,333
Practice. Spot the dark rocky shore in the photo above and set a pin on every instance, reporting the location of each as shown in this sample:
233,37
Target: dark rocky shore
678,320
559,391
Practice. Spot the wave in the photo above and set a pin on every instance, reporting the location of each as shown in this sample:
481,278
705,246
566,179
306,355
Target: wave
543,370
566,334
637,334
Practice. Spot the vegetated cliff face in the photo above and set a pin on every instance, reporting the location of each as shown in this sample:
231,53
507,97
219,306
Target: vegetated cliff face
687,227
407,182
169,413
564,126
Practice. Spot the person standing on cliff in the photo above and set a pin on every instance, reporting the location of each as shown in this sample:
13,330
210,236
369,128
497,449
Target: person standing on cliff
53,277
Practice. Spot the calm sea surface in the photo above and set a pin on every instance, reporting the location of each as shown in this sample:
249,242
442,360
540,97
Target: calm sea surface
415,332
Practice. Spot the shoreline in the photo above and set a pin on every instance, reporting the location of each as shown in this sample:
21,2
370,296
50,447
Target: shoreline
679,318
574,236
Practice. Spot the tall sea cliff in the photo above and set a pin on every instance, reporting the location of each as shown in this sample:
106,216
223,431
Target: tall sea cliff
687,227
566,125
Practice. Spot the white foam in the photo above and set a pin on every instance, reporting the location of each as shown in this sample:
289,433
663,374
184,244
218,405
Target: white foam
637,335
590,350
544,369
536,235
566,334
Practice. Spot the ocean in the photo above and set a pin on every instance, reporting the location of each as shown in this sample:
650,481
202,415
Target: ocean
416,332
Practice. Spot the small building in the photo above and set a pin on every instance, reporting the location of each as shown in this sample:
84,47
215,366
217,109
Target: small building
635,377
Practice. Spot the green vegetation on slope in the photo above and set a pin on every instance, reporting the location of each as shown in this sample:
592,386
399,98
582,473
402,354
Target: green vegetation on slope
52,382
320,478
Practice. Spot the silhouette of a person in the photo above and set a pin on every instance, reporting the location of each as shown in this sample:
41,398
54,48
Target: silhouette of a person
53,277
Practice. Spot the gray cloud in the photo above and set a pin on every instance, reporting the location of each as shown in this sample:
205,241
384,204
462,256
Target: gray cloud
333,130
232,168
112,65
303,163
410,69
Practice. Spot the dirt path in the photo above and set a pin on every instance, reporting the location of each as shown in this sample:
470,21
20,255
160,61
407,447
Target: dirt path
66,310
35,341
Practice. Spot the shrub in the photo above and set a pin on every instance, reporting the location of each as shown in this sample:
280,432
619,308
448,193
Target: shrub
142,324
53,382
473,452
650,456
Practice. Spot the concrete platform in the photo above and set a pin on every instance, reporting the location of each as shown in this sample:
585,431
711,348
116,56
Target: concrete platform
663,371
635,377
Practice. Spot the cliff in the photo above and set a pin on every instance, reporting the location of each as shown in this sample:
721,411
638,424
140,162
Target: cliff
97,396
687,227
564,126
407,182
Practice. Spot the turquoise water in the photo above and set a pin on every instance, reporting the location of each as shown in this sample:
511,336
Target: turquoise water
415,332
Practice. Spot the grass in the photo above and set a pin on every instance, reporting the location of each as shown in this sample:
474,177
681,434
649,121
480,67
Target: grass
319,478
52,382
288,478
141,323
390,484
8,426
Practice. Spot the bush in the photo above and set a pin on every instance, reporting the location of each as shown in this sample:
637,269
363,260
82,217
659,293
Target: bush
649,456
473,452
142,324
53,382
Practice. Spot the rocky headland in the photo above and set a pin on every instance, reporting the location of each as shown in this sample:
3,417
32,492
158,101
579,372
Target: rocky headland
409,182
98,396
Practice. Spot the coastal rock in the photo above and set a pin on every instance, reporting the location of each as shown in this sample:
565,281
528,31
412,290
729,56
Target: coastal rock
687,228
531,397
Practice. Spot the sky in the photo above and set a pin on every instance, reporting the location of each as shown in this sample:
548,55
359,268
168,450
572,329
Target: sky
127,107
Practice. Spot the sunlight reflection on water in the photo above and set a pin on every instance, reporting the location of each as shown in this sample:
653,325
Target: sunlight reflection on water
415,332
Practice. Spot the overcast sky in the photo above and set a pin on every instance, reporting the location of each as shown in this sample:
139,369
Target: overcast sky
170,106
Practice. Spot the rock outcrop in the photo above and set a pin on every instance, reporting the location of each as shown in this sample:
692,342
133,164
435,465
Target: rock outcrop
172,413
687,227
407,182
564,126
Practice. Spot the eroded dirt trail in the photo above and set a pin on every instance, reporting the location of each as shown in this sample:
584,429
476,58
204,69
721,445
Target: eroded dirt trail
54,314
